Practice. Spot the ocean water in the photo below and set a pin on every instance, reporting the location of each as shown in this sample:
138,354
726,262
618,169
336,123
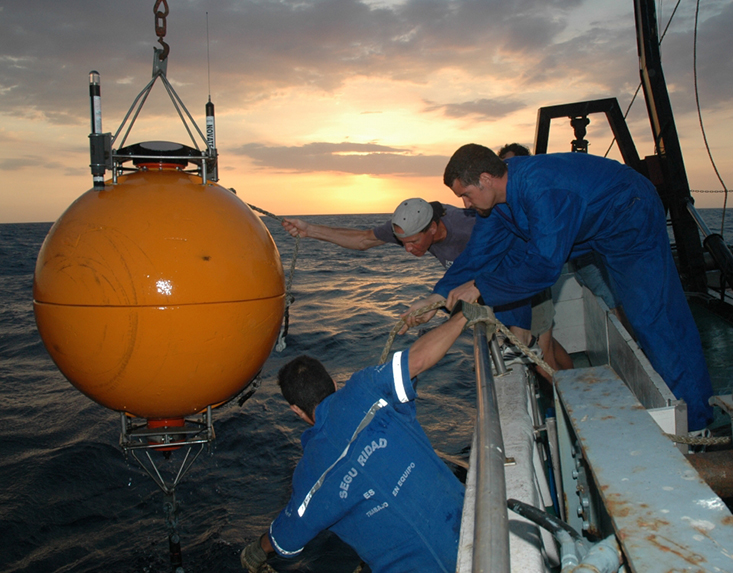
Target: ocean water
71,502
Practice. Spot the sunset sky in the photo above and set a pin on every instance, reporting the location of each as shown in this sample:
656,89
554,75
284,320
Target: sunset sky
343,106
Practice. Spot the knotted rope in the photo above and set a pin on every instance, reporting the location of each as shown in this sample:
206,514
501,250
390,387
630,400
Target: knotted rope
401,322
474,313
698,440
525,349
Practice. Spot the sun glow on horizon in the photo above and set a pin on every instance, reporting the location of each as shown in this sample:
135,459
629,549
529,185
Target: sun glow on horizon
349,115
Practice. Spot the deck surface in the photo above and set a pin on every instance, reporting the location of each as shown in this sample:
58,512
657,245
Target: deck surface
665,516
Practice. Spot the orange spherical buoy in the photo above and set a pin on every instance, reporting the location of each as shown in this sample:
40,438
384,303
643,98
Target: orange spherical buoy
159,295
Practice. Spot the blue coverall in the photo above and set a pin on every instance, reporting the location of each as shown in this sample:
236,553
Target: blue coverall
560,206
369,474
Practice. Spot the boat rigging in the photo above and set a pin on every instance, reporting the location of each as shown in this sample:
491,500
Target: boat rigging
616,479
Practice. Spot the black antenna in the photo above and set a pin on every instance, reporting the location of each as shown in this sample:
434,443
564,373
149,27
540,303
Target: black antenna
210,122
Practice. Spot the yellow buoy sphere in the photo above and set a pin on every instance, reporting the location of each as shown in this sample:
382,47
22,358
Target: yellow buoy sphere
159,296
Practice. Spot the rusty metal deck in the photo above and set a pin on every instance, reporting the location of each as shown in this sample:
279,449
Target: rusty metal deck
664,515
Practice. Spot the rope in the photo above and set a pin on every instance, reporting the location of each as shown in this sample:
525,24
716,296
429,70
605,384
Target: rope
698,440
401,322
525,350
699,116
489,319
289,299
677,438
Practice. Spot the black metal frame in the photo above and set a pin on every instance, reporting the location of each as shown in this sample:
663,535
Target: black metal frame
616,121
666,168
675,189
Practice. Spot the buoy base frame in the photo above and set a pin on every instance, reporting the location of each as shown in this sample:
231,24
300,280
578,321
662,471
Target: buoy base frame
157,435
138,437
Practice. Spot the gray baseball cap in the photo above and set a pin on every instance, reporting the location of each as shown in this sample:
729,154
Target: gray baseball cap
412,216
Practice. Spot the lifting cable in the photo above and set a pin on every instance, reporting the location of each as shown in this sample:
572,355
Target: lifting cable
699,116
699,111
636,93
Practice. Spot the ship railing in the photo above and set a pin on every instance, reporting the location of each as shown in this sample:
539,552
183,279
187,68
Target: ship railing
491,522
716,246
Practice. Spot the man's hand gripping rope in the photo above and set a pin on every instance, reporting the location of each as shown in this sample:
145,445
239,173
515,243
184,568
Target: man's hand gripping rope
401,325
474,313
478,313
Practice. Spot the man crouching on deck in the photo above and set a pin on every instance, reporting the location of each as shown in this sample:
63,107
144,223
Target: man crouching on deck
368,472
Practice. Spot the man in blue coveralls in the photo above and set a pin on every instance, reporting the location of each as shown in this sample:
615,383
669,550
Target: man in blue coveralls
538,212
368,472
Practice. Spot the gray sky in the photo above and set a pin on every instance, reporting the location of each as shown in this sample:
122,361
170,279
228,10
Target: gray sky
340,92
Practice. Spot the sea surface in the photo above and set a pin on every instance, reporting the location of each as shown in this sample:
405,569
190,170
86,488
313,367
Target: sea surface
70,501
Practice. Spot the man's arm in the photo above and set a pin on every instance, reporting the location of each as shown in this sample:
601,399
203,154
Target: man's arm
432,346
356,239
266,544
528,266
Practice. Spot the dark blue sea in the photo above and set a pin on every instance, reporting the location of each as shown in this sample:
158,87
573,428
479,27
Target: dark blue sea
71,502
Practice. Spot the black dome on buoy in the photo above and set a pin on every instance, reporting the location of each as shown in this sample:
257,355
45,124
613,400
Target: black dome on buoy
159,151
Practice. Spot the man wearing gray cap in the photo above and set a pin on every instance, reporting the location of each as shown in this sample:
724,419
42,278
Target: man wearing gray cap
418,226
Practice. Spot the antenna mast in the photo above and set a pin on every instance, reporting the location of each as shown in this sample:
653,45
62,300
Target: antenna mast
210,122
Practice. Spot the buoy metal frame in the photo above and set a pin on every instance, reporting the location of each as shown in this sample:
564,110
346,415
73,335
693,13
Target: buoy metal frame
139,438
104,156
135,437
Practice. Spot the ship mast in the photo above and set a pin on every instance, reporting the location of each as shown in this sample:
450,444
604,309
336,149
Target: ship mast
667,166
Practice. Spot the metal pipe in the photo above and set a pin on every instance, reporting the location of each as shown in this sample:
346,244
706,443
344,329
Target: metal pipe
496,356
144,95
603,557
552,441
491,526
716,246
696,216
